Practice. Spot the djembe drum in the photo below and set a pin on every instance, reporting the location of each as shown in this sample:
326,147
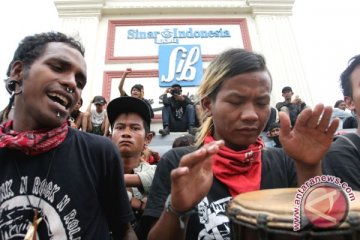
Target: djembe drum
268,215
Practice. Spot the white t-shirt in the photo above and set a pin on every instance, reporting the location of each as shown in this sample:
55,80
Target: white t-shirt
97,118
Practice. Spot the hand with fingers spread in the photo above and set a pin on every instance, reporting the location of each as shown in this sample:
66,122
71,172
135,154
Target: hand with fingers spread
191,181
311,136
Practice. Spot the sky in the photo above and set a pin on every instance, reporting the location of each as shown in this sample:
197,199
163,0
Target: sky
326,35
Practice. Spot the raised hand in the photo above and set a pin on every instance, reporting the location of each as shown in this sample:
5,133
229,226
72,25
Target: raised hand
192,180
311,136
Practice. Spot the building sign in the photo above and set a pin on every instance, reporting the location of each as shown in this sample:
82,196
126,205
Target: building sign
139,40
173,35
180,64
162,52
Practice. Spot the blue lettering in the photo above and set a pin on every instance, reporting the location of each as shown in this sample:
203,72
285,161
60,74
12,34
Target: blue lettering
176,33
226,33
182,34
189,33
131,34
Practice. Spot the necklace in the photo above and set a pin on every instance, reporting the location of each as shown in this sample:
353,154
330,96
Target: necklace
32,230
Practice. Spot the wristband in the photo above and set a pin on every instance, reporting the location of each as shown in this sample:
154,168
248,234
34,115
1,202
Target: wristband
181,215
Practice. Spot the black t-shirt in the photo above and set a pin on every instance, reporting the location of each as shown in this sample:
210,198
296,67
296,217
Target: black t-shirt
350,122
83,197
343,161
294,109
211,222
178,108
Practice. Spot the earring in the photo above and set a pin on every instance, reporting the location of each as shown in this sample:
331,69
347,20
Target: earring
69,90
11,87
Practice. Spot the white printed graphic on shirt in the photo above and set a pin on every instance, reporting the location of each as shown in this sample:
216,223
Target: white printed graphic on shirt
213,217
13,210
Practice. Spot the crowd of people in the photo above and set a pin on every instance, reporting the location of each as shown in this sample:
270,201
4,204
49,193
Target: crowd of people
91,175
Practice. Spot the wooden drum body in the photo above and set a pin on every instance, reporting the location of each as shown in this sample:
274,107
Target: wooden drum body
268,215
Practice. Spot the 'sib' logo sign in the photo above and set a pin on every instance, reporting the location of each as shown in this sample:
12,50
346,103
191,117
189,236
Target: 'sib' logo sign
180,63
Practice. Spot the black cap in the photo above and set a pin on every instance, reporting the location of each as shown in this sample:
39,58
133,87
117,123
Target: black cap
99,100
128,105
286,89
176,85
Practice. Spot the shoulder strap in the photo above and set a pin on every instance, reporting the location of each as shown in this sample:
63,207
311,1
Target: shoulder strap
353,139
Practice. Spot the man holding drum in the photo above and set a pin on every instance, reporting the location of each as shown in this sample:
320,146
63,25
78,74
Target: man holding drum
195,184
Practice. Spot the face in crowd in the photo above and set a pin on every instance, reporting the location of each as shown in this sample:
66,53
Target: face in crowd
287,95
50,71
354,103
130,134
342,105
235,95
78,105
350,84
137,91
275,132
99,107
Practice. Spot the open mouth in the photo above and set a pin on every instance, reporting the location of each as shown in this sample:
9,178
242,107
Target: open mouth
59,99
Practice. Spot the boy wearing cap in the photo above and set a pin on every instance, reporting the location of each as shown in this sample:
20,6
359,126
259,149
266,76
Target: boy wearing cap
130,120
95,120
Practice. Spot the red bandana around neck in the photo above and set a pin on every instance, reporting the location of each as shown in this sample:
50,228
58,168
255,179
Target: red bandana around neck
240,171
32,142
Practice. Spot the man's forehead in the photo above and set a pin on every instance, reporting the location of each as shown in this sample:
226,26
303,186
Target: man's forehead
63,50
134,117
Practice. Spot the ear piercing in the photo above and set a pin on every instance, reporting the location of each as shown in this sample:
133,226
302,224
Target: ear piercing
69,90
11,87
58,115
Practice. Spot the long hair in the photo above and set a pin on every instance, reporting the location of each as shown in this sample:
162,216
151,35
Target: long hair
228,64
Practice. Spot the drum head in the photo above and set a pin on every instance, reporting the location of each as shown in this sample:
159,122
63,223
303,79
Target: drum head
277,205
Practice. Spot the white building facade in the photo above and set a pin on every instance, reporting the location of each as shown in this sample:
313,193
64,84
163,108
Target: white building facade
166,42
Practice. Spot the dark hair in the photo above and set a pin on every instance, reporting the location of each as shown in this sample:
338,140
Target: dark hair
176,85
337,103
345,76
274,125
286,89
32,47
183,141
138,87
146,127
236,61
